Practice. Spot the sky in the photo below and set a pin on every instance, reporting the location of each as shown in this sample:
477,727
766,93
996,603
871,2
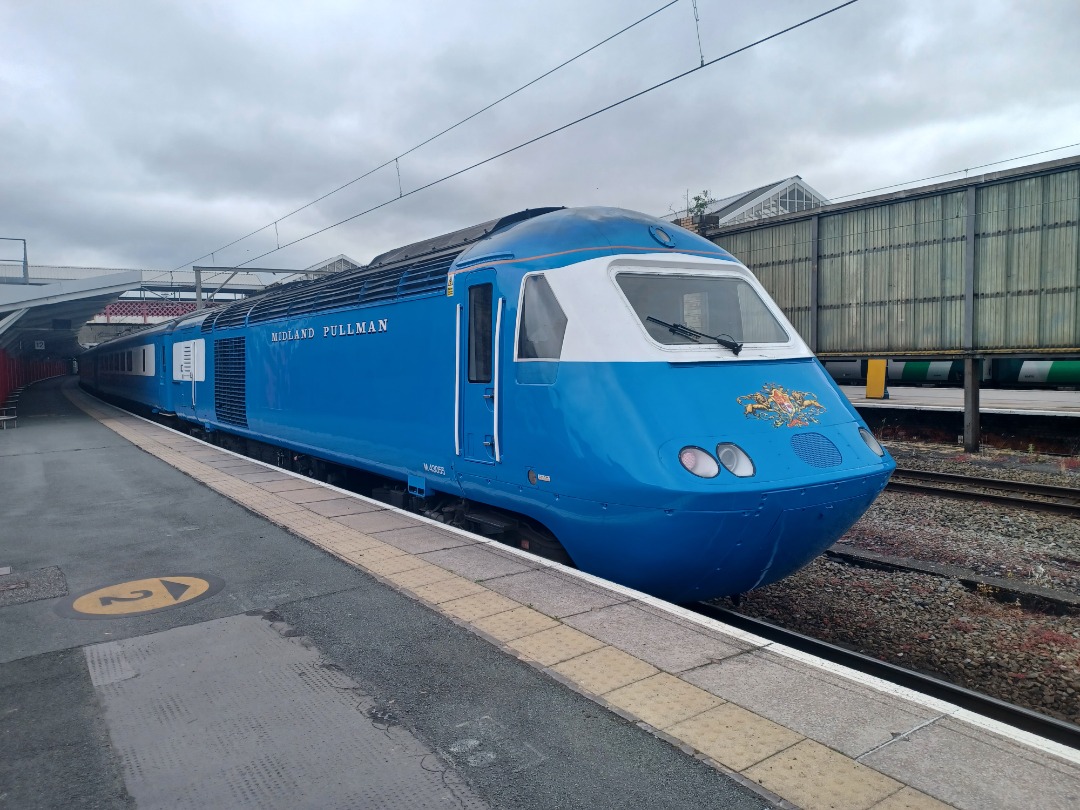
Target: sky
149,134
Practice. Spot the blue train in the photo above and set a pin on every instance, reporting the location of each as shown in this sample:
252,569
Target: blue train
623,386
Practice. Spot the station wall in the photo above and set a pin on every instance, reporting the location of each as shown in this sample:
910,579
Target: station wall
988,265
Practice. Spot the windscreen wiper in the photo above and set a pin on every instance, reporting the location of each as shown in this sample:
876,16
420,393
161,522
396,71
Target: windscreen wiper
695,335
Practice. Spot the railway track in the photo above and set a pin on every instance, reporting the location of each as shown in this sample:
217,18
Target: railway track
984,705
1003,589
1036,497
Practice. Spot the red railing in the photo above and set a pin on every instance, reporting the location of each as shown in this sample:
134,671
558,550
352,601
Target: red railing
15,373
146,310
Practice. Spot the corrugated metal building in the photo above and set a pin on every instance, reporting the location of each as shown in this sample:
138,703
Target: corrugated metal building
987,265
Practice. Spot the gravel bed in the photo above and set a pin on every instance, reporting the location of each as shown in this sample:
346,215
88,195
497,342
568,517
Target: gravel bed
992,540
1007,465
934,624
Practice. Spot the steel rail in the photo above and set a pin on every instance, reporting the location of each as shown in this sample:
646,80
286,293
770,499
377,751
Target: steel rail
972,488
991,483
1030,594
1033,722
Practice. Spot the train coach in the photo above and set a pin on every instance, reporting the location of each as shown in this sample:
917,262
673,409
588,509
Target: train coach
996,372
623,387
132,368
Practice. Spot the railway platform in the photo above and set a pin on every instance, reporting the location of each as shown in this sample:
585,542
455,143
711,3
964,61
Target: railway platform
187,627
1027,402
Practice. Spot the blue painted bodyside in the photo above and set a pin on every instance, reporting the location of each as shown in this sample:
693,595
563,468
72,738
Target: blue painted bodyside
374,387
148,390
380,400
644,520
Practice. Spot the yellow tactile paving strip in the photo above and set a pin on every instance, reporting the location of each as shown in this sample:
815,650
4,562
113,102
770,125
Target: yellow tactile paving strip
790,766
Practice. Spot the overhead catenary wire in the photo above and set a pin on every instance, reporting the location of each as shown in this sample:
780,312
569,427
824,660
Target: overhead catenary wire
437,135
832,200
955,171
558,129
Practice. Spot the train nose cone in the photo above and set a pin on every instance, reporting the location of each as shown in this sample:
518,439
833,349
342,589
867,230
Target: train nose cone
796,536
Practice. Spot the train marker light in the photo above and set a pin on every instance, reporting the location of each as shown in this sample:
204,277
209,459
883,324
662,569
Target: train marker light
698,462
871,442
735,460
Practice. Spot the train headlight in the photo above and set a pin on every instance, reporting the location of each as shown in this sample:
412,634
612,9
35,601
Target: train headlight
734,459
871,442
697,461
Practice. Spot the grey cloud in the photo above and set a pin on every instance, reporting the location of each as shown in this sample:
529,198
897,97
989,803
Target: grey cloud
144,134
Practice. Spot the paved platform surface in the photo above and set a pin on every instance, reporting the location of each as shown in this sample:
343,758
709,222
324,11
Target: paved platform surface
515,682
304,682
991,400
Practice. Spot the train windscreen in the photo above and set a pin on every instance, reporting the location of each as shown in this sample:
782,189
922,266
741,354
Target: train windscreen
704,306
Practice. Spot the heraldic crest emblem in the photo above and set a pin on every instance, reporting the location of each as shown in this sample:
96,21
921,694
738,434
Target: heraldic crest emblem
782,407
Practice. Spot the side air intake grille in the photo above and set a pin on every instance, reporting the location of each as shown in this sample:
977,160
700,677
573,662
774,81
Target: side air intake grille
230,388
816,450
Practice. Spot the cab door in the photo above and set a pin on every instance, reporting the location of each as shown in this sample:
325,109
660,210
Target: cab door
188,368
162,373
480,320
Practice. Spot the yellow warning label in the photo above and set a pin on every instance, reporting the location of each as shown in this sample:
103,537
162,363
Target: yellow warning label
450,286
141,595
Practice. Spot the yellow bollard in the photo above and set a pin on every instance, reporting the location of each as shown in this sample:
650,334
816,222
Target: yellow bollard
875,379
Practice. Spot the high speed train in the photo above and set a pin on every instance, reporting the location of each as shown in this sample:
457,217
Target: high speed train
622,386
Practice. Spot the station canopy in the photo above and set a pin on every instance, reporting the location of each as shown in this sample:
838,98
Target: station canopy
42,321
42,308
782,197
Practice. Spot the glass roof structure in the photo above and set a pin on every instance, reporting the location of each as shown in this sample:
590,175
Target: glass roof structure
784,197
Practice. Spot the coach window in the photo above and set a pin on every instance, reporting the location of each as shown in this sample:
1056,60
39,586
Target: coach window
542,322
480,333
128,361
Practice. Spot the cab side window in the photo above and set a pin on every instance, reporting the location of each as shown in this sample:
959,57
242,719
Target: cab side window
480,339
542,322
